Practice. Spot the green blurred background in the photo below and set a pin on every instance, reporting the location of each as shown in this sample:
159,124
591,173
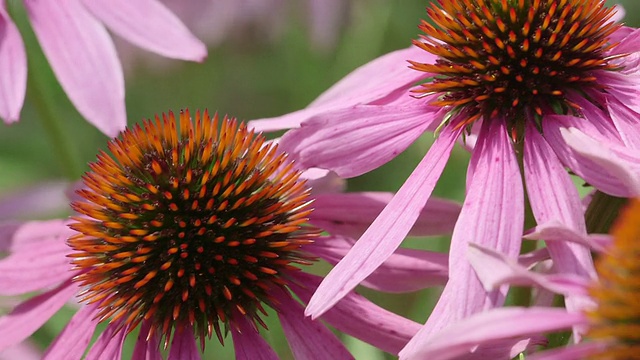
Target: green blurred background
248,75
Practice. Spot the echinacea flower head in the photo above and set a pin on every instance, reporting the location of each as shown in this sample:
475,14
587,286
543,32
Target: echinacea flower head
73,36
188,229
538,85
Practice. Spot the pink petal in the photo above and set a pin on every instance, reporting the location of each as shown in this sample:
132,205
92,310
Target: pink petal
495,269
405,270
72,341
574,352
351,213
25,350
183,345
13,66
30,315
630,42
388,230
146,349
248,343
109,344
626,122
84,60
150,25
555,231
323,181
308,339
493,212
622,87
495,325
353,141
374,325
41,200
16,236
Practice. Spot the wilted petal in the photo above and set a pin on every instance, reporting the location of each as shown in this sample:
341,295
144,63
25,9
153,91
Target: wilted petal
183,345
388,230
13,67
72,341
248,343
84,60
150,25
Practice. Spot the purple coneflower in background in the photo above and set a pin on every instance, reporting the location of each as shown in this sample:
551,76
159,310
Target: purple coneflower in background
74,39
544,84
187,231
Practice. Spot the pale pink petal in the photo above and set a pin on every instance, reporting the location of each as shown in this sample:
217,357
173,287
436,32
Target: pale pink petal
147,349
555,231
623,87
19,235
574,352
13,66
353,141
7,231
73,340
30,315
149,25
388,230
626,122
374,325
25,350
495,269
531,258
308,339
248,343
323,181
83,59
41,200
493,326
629,40
109,344
492,215
599,122
350,214
183,345
405,270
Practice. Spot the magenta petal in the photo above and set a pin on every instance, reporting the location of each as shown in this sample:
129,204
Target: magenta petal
353,141
556,231
308,339
374,325
109,344
183,345
72,342
146,349
84,60
13,67
150,25
248,343
574,352
630,41
493,212
29,316
388,230
405,270
626,122
350,214
495,325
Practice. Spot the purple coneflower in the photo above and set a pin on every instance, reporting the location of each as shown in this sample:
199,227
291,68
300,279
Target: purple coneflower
544,84
189,230
73,36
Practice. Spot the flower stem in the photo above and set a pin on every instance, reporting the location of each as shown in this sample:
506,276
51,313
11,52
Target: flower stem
602,212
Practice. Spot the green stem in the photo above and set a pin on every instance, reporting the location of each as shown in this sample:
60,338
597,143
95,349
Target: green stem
602,212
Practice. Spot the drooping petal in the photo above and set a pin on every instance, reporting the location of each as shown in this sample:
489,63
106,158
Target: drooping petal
556,231
405,270
109,344
351,213
149,25
248,343
574,352
323,181
493,326
146,349
622,87
42,200
386,233
353,141
72,341
83,59
629,40
375,325
493,216
30,315
13,66
626,123
183,345
15,235
25,350
308,339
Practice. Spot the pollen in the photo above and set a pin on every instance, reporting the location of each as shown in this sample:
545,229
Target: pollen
159,240
514,60
616,319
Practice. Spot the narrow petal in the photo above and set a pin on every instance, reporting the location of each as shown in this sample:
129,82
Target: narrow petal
574,352
248,343
388,230
146,349
374,325
109,344
149,25
406,270
495,325
308,339
183,345
72,341
493,212
83,59
495,269
30,315
556,231
13,66
350,214
353,141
